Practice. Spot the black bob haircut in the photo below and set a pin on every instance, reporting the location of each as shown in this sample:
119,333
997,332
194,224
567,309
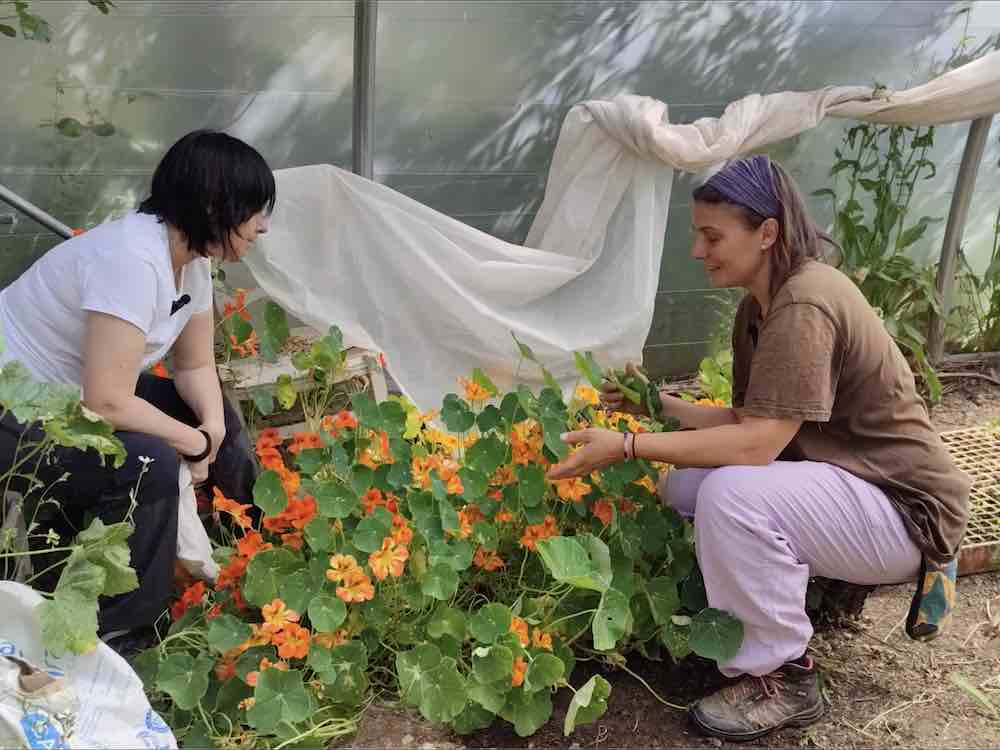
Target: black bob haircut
206,185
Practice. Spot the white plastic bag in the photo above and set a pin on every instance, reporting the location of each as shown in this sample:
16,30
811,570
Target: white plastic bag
194,550
89,701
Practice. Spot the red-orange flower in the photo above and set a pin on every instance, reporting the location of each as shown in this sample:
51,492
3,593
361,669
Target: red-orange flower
487,559
627,506
473,391
390,560
604,510
536,532
520,628
225,669
292,541
340,566
191,597
345,421
237,306
402,534
303,440
251,544
246,348
236,511
503,516
371,500
292,642
331,640
572,490
230,575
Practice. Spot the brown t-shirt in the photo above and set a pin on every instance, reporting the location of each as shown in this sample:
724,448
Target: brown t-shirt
823,356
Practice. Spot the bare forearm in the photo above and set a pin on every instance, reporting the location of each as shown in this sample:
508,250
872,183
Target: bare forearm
199,387
723,445
695,416
133,414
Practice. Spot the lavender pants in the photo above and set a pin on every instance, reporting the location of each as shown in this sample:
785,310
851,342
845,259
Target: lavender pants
762,531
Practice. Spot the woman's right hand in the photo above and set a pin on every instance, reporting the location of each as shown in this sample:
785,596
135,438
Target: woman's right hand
613,399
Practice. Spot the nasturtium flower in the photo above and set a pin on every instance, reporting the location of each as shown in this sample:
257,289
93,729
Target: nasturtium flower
390,560
520,628
331,640
340,566
517,676
345,421
402,534
541,639
237,511
292,642
604,510
473,391
647,482
487,560
277,616
572,490
587,395
357,587
304,440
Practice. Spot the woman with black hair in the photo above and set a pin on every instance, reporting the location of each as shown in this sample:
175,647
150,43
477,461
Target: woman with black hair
99,309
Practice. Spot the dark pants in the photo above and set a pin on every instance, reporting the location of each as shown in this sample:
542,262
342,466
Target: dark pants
94,490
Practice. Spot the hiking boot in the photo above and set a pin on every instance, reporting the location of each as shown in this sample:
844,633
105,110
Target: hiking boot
755,706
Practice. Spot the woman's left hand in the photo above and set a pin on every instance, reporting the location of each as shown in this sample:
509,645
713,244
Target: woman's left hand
218,433
598,449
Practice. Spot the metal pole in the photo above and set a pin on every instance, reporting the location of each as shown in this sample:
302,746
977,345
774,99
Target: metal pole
33,211
975,144
363,123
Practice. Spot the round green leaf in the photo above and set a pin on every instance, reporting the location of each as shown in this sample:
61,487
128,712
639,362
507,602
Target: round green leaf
588,704
490,623
544,671
492,664
327,613
319,535
361,479
447,621
472,719
372,529
335,500
184,678
486,455
474,483
488,418
279,697
531,483
265,573
70,127
440,582
346,680
693,595
664,600
611,621
456,554
491,697
676,639
456,414
528,712
226,632
284,391
269,494
485,535
367,411
716,635
568,561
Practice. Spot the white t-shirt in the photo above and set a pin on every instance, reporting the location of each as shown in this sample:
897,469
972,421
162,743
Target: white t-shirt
121,268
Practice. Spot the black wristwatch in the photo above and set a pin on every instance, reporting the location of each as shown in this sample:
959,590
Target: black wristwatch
204,454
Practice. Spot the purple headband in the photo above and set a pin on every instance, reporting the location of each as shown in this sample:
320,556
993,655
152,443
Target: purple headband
750,183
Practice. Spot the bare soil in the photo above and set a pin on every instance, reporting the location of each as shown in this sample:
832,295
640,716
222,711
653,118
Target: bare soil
883,690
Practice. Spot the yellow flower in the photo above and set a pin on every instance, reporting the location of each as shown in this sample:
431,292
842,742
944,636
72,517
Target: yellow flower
572,490
648,483
587,395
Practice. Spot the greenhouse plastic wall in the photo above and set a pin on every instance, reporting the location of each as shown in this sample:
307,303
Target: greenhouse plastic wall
469,99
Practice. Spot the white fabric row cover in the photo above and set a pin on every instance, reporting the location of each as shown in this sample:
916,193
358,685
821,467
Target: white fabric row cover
440,298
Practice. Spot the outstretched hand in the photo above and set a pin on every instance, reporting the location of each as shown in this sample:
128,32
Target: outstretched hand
598,448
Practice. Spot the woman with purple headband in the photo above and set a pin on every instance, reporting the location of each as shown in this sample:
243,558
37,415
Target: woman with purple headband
827,464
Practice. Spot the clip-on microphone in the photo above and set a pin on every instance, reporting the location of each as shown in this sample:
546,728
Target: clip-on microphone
177,304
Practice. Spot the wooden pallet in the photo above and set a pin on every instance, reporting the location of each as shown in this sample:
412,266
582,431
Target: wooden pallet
976,451
241,377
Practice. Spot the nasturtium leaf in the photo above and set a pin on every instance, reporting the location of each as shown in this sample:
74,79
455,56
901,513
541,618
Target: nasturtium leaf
376,613
527,400
265,573
346,680
361,479
226,632
298,588
552,430
588,367
486,455
472,719
677,639
629,537
372,529
184,678
269,494
485,535
326,613
550,382
393,417
716,635
655,530
227,700
456,414
335,500
447,513
440,582
431,683
447,621
263,399
528,712
510,410
693,596
531,484
474,483
683,560
311,460
490,622
278,697
488,419
568,562
600,559
274,331
544,671
612,620
319,658
492,663
366,410
284,392
617,477
588,704
319,535
249,660
146,665
491,697
664,601
481,379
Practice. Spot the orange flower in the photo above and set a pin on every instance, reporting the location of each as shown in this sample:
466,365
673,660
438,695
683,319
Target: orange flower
160,370
526,442
251,544
265,663
303,440
520,667
327,425
538,531
269,437
371,500
276,616
710,402
214,611
246,348
541,639
357,587
237,306
292,541
225,669
487,560
390,560
503,516
648,483
191,597
572,490
627,506
473,391
340,566
230,575
520,628
331,640
587,395
504,475
292,642
345,421
603,510
402,534
237,511
467,517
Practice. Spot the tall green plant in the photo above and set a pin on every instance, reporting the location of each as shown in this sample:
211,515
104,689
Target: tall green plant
976,324
34,27
874,225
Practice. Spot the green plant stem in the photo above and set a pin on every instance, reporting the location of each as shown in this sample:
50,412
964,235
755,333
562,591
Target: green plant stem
570,617
652,692
28,553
